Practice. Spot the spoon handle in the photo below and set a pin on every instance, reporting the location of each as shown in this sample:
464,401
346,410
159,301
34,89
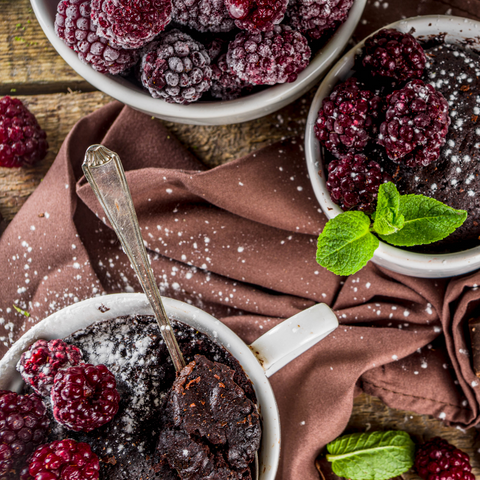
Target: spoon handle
104,171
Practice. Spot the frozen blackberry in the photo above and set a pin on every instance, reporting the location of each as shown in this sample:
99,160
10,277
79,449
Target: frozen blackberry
41,362
267,58
347,120
353,182
226,85
437,460
22,141
176,68
130,23
23,425
390,53
416,124
317,17
74,26
215,48
202,15
256,15
84,397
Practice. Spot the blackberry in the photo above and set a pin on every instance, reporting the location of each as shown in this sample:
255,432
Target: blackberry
253,15
23,425
437,460
226,85
317,17
202,15
176,68
416,124
74,26
130,23
84,397
347,120
22,141
267,58
353,182
390,53
41,362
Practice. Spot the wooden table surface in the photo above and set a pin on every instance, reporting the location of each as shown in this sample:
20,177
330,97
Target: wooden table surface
32,70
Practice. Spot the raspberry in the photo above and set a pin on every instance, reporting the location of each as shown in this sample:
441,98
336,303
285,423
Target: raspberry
41,362
256,15
390,53
437,460
63,460
23,425
226,85
176,68
267,58
347,120
74,27
22,141
202,15
353,182
317,17
84,397
130,23
415,125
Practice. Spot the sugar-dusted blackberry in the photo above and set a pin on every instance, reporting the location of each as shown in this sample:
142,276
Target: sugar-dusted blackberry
416,124
267,58
22,141
390,53
176,68
23,425
202,15
74,26
437,460
315,18
347,120
40,363
226,85
353,182
84,397
254,15
130,23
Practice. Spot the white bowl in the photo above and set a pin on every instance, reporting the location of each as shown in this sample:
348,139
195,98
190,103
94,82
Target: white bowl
456,29
265,356
203,113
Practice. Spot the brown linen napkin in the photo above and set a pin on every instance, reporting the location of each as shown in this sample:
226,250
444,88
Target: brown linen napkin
239,241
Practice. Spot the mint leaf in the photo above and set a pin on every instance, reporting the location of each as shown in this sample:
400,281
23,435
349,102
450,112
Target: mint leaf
346,243
371,456
387,217
426,220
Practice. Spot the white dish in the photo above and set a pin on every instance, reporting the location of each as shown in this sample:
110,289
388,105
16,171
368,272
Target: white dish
456,29
203,113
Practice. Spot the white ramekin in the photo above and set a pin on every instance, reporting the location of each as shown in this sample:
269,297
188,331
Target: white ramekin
261,359
203,113
455,30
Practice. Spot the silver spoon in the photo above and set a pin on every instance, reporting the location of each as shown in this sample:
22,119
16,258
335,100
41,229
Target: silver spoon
104,171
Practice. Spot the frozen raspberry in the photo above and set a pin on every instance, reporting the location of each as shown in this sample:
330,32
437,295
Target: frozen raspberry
22,141
415,125
176,68
63,460
437,460
256,15
347,120
390,53
317,17
267,58
41,362
226,85
202,15
74,27
23,425
130,23
353,182
84,397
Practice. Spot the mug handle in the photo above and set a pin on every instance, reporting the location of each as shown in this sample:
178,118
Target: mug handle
293,336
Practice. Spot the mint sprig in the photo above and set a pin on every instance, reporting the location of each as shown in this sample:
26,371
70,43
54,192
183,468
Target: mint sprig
348,242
